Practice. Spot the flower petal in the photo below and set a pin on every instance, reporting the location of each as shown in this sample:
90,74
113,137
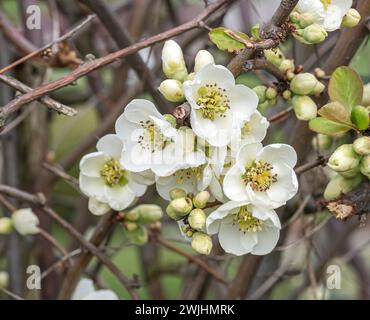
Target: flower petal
92,163
247,154
92,187
278,152
119,198
233,185
268,237
243,101
140,110
111,145
216,74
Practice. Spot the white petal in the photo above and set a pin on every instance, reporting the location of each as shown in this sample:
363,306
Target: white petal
216,74
190,90
111,145
217,159
98,208
165,127
146,177
333,18
234,187
119,198
266,214
140,110
135,158
202,127
247,154
101,295
267,240
243,101
92,163
92,187
125,128
83,288
215,188
279,152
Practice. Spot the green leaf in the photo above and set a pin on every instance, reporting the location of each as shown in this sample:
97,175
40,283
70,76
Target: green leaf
346,87
360,117
255,31
228,40
328,127
336,112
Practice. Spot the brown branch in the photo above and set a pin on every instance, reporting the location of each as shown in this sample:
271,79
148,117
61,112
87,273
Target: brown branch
321,161
263,64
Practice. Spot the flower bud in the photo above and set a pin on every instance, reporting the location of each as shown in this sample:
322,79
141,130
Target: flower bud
172,90
319,73
304,107
303,83
173,61
138,236
287,94
98,208
201,199
318,89
182,205
4,279
286,65
339,185
177,193
290,75
25,221
171,119
274,56
350,173
148,213
351,19
366,96
271,93
6,225
197,219
365,166
322,142
130,226
201,243
362,146
272,102
295,17
360,117
202,59
314,34
306,19
344,158
263,106
132,216
261,93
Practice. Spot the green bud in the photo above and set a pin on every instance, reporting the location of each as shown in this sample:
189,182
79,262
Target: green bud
172,90
287,94
201,199
261,93
295,17
314,34
303,83
304,107
318,89
6,225
271,93
350,173
201,243
197,219
173,62
274,56
4,279
202,59
263,106
138,236
272,102
362,146
366,96
306,19
132,215
182,205
255,31
344,158
290,75
340,185
130,226
177,193
171,119
148,213
360,117
365,166
351,19
322,142
286,65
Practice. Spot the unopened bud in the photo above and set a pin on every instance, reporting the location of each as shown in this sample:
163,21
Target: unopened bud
286,65
177,193
365,166
306,19
351,19
6,225
350,173
202,59
304,107
271,93
344,158
197,219
322,142
366,96
340,185
362,146
4,279
287,94
274,56
182,205
201,243
25,221
261,93
138,236
148,213
263,106
314,34
303,83
360,117
201,199
173,61
319,73
130,226
290,74
172,90
318,89
171,119
98,208
295,16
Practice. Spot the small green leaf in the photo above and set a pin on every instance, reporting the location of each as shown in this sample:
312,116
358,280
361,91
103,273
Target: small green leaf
360,117
255,31
336,112
228,40
328,127
346,87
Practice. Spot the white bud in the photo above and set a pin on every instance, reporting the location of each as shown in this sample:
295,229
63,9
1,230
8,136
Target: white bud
362,146
4,279
25,221
303,83
201,243
202,59
172,90
351,19
339,185
173,62
98,208
6,225
197,219
314,34
304,107
201,199
344,159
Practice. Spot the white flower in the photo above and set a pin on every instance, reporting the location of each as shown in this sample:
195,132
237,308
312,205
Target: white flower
245,228
103,178
85,291
327,13
173,62
218,105
263,176
149,139
25,222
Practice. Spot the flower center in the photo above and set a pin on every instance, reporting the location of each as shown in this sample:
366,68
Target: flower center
326,3
246,129
112,174
152,138
259,175
246,221
213,101
189,173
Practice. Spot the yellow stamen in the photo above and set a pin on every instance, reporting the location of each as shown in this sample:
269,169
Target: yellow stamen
188,173
112,174
326,3
246,221
259,176
213,101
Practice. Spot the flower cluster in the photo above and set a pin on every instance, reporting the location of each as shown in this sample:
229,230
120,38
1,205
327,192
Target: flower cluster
217,161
